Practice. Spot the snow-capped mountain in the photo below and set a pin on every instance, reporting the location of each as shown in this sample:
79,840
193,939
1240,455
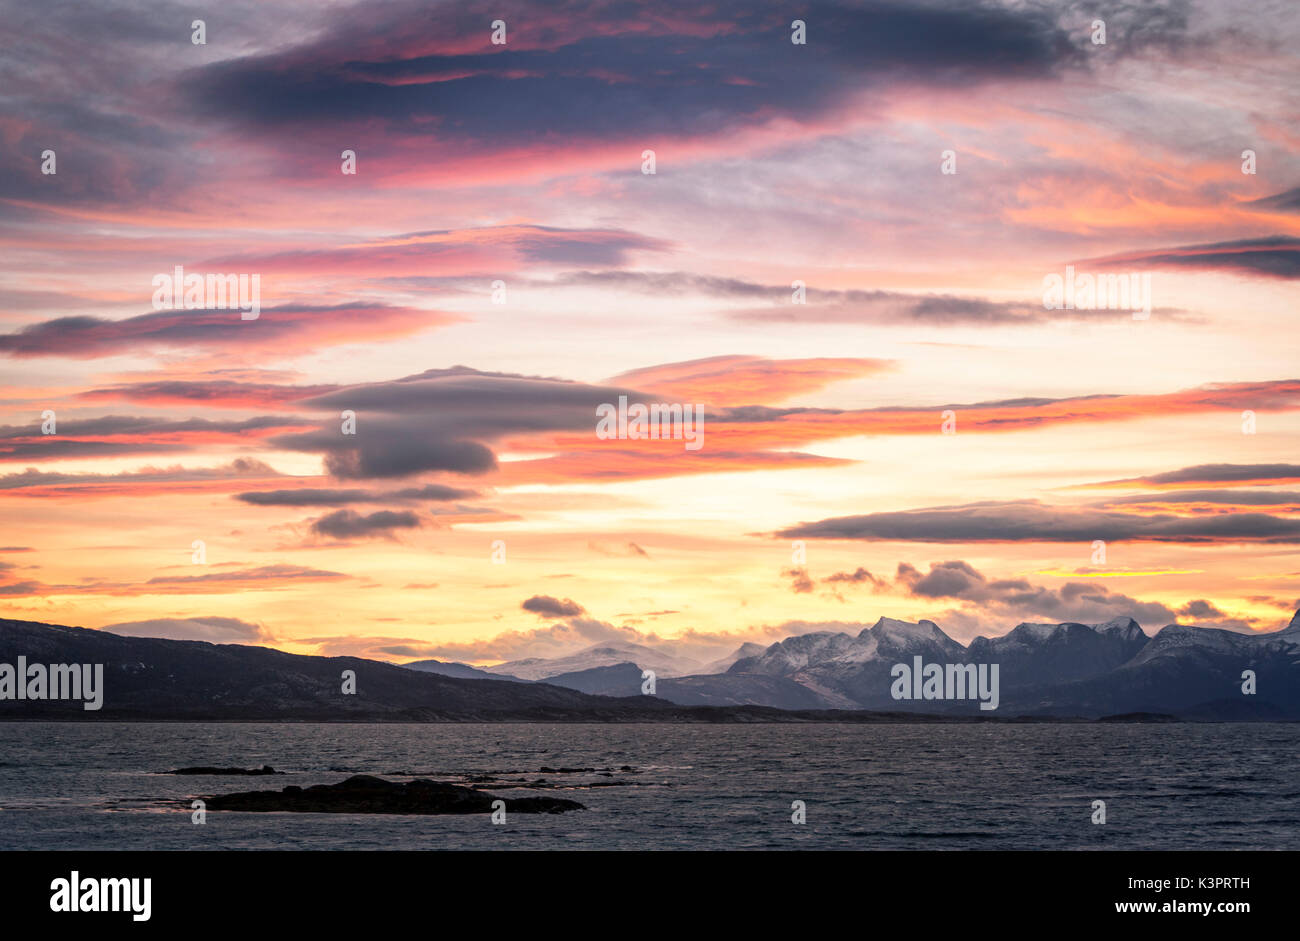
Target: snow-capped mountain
662,662
1032,654
854,668
787,657
1065,669
460,670
902,638
709,689
1188,670
1294,626
723,664
1062,669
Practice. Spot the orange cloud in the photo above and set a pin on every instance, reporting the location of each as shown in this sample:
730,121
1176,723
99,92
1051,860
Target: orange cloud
804,427
743,380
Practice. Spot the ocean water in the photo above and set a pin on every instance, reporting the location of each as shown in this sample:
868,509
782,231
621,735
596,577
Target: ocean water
92,786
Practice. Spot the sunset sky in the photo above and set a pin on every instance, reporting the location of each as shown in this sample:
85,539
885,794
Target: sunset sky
522,163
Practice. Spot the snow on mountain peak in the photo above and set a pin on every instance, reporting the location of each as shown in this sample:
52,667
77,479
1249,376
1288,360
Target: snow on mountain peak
1294,626
745,651
894,637
662,661
1124,626
1188,635
1036,630
892,627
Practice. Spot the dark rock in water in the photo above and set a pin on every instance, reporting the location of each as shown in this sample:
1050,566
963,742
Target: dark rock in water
365,794
265,769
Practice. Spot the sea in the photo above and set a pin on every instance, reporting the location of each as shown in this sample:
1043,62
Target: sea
102,786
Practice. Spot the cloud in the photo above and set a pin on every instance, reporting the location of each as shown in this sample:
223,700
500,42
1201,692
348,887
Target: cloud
1033,521
308,496
557,640
301,328
745,431
1287,201
1227,497
569,636
261,577
430,422
326,496
1273,256
1200,474
23,589
989,603
858,577
368,646
455,253
396,456
1205,502
110,435
687,71
934,310
626,550
218,630
440,419
452,420
660,283
1200,609
548,607
348,524
744,380
435,492
607,461
211,393
838,306
37,483
945,580
800,582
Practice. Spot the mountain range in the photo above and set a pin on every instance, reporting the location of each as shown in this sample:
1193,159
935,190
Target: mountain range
1045,671
662,662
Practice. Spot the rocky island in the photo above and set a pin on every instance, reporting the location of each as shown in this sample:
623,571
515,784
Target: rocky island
366,794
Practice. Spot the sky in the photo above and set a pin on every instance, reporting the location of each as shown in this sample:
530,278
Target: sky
843,255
